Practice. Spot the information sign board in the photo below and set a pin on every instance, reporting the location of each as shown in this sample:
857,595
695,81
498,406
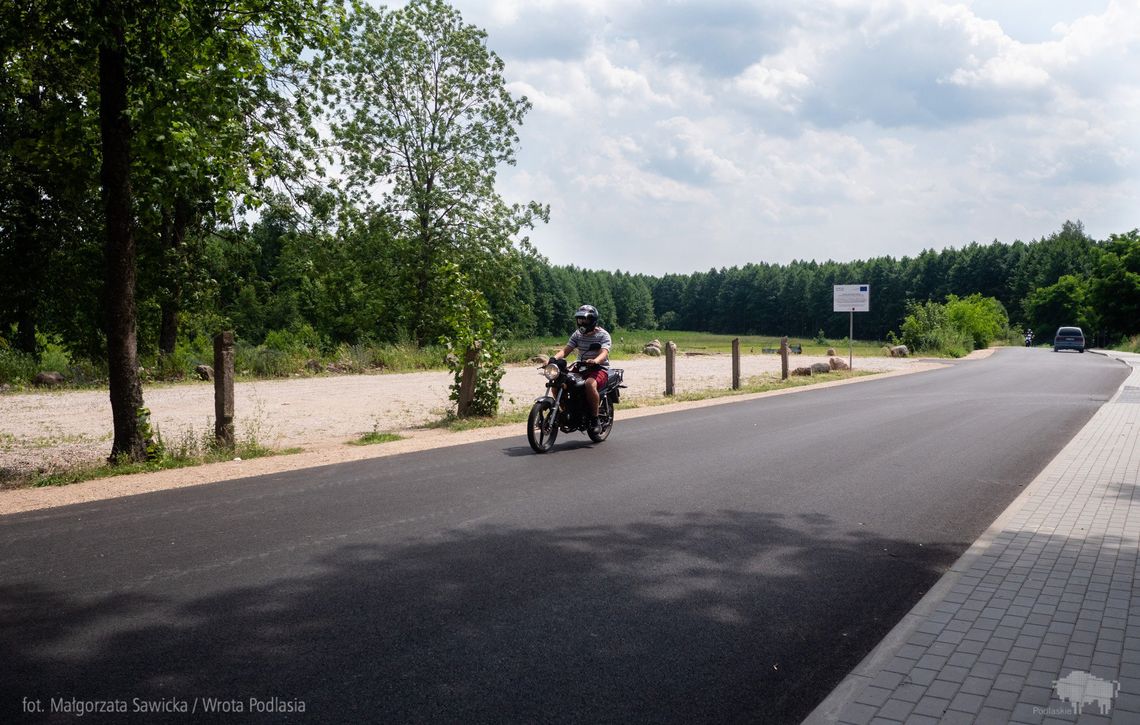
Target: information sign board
852,297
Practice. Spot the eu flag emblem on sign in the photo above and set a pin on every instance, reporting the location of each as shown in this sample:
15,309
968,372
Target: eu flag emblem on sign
863,288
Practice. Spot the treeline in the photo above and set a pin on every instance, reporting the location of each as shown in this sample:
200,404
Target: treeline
1065,278
326,292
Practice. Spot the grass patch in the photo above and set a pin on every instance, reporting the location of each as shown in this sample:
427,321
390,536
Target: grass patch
1132,344
453,422
188,449
375,436
758,384
79,474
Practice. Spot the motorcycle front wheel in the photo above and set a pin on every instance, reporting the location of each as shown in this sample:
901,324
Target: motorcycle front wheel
542,426
606,418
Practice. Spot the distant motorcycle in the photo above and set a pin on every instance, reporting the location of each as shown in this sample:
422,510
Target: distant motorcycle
565,408
1029,339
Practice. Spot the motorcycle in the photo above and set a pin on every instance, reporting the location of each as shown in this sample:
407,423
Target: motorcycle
565,408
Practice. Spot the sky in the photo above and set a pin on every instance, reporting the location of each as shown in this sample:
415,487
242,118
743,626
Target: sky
674,136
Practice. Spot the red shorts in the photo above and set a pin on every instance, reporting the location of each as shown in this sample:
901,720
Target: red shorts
599,375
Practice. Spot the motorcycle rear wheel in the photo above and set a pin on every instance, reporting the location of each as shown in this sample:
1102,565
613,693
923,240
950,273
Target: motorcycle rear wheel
606,416
542,426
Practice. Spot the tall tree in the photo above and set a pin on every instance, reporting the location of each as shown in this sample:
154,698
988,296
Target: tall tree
146,51
1116,284
49,208
423,109
115,175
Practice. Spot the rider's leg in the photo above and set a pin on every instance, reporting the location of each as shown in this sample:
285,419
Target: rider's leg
592,396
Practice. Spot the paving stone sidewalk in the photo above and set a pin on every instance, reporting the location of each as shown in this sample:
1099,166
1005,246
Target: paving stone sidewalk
1039,622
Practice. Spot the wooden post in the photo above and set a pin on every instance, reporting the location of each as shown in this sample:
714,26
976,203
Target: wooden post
467,380
224,389
851,341
783,358
670,366
736,363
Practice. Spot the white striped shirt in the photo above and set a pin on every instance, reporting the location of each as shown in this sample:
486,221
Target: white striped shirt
584,342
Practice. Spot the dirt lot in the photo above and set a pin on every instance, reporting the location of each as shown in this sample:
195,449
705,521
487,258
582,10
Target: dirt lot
49,430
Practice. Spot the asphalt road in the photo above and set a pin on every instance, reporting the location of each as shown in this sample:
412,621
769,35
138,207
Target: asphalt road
724,564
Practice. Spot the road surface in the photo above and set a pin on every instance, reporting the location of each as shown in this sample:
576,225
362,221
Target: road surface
725,564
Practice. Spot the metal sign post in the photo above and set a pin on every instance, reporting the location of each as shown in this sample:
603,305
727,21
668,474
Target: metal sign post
851,298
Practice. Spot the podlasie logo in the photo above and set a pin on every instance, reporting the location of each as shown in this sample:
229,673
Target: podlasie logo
1082,688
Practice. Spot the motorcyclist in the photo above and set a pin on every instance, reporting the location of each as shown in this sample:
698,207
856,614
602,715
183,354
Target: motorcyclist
1028,338
593,345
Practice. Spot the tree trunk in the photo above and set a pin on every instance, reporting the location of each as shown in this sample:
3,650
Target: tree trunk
423,280
122,344
171,305
30,259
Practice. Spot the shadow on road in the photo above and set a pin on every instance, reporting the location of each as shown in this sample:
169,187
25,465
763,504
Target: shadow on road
684,617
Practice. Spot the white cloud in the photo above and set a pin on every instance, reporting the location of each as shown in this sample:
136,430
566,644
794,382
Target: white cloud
728,133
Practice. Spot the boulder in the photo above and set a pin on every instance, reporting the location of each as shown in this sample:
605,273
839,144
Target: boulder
801,371
885,350
837,364
819,367
48,378
540,359
205,372
899,351
652,349
313,365
831,352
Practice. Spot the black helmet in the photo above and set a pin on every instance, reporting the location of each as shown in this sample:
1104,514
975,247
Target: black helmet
587,318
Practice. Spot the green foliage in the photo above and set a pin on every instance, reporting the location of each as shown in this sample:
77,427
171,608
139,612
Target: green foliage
263,362
375,436
956,327
1062,303
17,368
1115,289
983,319
190,448
302,340
422,109
465,311
155,448
927,328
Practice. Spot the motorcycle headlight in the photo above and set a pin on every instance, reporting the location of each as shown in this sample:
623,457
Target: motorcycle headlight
551,371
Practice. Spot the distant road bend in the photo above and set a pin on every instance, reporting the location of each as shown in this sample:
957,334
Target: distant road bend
723,564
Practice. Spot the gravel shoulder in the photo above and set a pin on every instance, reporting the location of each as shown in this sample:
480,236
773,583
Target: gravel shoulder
48,431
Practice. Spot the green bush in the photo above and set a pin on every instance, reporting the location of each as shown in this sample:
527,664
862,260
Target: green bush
17,368
54,357
954,328
262,362
302,340
982,319
927,328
